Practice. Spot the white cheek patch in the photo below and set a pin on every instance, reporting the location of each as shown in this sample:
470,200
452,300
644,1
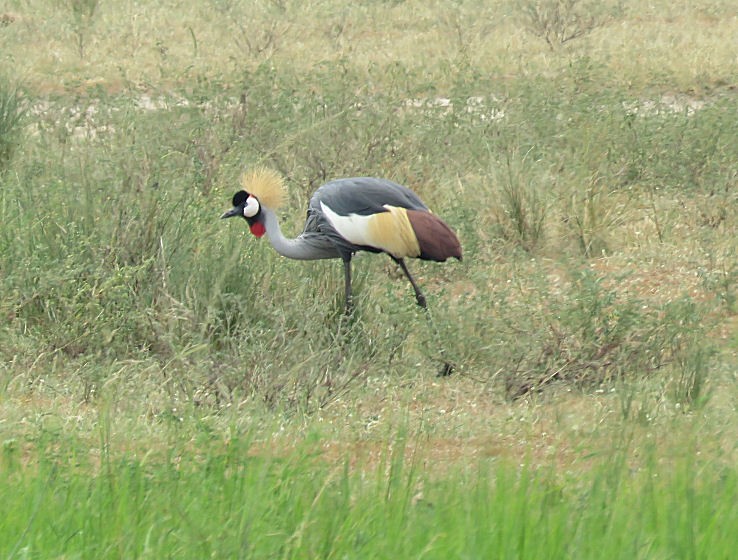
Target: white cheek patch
252,207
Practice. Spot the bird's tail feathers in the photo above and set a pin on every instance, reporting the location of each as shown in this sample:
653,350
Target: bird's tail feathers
437,241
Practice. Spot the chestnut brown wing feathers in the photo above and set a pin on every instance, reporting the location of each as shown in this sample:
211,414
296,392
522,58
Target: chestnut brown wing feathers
437,241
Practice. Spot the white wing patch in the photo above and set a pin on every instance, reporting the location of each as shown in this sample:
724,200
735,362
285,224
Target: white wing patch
389,231
353,228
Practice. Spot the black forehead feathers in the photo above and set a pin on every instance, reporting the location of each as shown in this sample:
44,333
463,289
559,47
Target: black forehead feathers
239,198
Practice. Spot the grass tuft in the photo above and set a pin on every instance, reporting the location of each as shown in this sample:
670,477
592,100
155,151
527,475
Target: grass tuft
12,110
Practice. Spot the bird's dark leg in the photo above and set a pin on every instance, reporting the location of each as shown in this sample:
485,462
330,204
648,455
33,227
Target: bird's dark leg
348,299
447,367
419,297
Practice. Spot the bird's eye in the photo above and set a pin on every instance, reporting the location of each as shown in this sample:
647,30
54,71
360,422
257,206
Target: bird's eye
251,208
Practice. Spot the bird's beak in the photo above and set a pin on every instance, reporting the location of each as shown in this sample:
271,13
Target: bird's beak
235,211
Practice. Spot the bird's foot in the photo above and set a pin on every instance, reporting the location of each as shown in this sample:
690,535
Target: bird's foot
420,299
349,309
446,369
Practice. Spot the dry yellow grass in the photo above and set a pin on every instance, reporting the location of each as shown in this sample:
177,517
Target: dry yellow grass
686,47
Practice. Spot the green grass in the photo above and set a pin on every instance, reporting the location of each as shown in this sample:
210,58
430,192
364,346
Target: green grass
169,386
221,501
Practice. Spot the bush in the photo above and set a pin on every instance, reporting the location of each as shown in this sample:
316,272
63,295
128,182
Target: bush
585,333
559,21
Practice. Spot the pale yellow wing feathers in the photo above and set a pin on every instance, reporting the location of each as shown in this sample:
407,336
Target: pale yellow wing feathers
392,232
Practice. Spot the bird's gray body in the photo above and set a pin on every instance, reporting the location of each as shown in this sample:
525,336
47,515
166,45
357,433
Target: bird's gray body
362,196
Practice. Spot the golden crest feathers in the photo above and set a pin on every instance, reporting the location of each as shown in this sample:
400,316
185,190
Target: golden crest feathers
265,184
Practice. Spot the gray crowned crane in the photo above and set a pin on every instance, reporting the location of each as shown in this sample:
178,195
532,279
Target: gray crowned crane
346,216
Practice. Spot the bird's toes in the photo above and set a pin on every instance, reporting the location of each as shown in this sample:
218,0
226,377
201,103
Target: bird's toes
446,369
349,308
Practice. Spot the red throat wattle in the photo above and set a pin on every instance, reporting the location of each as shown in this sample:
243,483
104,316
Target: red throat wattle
257,228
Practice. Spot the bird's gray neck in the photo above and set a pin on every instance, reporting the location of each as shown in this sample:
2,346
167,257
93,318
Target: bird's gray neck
300,248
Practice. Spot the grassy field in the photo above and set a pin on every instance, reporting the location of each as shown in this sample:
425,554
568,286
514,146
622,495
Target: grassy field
170,387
